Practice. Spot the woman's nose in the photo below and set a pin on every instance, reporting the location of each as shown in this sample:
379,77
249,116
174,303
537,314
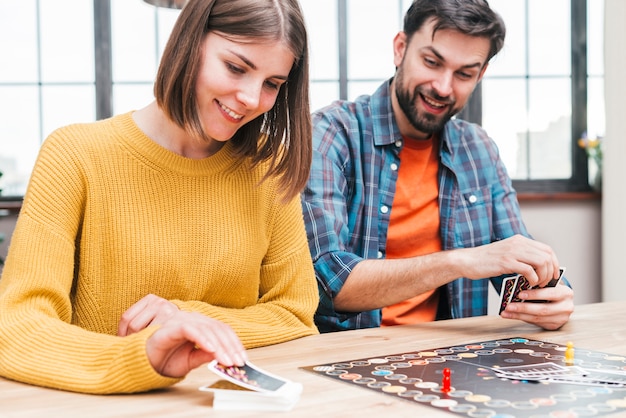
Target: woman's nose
250,94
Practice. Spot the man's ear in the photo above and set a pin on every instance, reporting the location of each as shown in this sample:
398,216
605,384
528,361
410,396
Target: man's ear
399,48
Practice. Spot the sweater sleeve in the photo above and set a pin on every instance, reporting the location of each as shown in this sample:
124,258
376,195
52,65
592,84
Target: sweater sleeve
38,343
288,290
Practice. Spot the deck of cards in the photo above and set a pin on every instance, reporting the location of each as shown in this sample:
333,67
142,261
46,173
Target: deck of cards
512,286
251,388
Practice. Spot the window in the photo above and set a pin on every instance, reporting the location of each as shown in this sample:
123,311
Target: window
539,94
536,93
46,78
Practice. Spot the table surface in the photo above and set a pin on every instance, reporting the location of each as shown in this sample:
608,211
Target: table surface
598,327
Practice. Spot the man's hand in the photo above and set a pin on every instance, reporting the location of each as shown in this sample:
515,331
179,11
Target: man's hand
550,315
515,255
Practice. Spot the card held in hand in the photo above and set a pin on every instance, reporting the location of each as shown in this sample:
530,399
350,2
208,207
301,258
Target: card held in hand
508,285
512,286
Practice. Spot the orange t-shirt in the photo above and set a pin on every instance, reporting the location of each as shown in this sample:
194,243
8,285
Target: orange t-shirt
414,224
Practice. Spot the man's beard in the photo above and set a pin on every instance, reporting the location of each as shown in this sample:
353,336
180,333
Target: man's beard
426,123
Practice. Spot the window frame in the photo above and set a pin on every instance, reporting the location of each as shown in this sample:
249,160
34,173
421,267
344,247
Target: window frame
578,182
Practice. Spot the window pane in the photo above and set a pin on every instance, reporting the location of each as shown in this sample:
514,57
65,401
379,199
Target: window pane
535,144
595,37
511,60
127,97
140,32
133,32
357,88
323,93
549,46
19,137
550,128
372,24
18,58
505,120
63,105
166,19
321,20
595,107
67,47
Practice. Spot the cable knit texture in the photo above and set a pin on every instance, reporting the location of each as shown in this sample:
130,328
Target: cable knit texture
109,217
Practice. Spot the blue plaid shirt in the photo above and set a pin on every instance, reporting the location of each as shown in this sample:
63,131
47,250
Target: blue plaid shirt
347,201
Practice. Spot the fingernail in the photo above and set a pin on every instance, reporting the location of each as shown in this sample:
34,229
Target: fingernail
241,359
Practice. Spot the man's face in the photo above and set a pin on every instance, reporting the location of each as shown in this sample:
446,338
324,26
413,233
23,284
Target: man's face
435,77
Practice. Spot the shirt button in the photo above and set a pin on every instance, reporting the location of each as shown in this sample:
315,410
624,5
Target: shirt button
380,254
384,209
398,143
472,199
394,167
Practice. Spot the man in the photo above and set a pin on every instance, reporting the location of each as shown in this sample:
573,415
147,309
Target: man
408,211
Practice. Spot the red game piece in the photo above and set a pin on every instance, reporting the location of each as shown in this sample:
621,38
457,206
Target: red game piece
445,382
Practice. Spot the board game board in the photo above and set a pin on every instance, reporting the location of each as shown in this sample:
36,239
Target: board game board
513,377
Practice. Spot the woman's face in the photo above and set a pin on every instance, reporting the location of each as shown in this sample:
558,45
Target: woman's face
238,82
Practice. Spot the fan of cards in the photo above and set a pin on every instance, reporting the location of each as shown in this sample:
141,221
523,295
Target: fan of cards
512,286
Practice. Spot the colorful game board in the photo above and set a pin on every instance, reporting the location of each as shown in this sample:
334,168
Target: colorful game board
514,377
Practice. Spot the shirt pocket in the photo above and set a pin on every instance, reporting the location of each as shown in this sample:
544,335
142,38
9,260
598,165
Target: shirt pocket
474,218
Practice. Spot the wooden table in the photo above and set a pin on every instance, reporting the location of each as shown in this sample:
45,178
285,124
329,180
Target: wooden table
600,327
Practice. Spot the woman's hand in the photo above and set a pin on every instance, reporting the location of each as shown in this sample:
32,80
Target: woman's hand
184,340
188,340
149,310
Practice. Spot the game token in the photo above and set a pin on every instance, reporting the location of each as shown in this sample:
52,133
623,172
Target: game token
569,353
445,382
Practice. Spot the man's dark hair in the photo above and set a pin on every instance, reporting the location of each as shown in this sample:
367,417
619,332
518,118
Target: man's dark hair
470,17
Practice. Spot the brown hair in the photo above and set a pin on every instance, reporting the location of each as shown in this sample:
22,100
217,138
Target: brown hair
282,135
470,17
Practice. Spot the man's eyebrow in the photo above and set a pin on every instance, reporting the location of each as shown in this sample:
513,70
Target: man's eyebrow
253,66
438,55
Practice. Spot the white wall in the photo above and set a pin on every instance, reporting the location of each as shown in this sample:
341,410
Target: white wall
613,201
573,229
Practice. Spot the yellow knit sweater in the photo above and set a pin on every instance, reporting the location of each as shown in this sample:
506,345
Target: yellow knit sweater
109,217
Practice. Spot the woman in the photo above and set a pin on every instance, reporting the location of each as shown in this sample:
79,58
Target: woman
155,241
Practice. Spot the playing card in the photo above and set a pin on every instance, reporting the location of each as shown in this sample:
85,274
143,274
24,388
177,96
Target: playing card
508,285
554,282
248,376
512,286
520,285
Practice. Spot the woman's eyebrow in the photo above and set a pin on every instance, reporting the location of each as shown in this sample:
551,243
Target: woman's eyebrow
253,66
